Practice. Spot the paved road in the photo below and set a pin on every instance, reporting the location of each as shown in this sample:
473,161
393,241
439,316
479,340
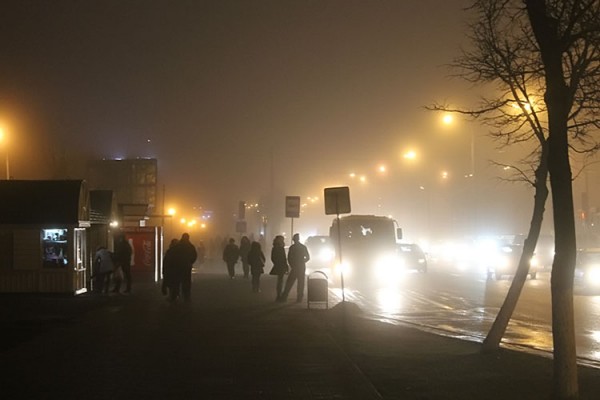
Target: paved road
464,304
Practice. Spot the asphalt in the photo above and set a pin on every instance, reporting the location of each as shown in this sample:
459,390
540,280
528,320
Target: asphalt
231,343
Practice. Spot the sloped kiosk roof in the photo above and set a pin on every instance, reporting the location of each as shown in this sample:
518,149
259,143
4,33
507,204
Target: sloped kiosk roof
43,202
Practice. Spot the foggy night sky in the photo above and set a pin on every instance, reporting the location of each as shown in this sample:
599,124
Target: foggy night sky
216,86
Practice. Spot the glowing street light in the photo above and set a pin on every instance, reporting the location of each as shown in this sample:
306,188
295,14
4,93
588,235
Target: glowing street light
410,155
447,119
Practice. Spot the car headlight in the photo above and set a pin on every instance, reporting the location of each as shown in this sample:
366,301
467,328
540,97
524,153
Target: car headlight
326,255
593,275
533,262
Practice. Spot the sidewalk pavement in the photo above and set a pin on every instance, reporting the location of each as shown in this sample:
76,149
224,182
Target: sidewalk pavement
230,343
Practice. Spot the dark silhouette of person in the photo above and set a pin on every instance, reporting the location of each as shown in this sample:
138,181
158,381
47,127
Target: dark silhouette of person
170,273
201,252
184,258
123,259
103,267
297,258
256,259
244,250
280,263
231,254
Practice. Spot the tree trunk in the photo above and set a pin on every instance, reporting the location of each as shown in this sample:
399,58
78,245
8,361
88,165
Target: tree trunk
496,333
558,102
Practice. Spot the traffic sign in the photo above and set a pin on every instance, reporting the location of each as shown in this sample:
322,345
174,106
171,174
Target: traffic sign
337,200
292,206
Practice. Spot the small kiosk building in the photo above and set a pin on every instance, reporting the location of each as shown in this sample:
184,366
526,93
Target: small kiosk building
43,226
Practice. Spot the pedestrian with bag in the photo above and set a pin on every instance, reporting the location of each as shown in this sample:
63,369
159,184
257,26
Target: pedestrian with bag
280,263
256,259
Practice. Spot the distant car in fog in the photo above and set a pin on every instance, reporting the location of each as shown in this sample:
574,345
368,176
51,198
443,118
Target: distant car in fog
587,268
322,253
412,257
506,261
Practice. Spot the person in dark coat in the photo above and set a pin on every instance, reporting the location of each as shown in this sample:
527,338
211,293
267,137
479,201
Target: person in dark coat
231,254
297,258
103,267
122,254
184,258
170,273
256,259
280,264
244,250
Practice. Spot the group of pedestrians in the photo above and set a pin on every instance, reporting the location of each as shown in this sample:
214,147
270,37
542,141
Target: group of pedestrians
177,269
253,262
112,267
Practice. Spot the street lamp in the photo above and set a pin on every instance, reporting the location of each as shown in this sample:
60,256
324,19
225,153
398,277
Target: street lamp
2,139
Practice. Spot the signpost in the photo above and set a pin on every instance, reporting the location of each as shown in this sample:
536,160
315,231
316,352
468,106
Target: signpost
292,209
337,201
241,225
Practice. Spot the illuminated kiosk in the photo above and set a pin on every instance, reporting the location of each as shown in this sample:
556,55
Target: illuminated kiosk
43,226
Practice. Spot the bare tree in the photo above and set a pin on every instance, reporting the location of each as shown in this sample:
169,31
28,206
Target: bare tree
543,58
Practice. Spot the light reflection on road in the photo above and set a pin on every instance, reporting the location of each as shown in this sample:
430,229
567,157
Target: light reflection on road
465,307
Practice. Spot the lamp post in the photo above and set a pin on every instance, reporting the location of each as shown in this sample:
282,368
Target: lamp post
2,139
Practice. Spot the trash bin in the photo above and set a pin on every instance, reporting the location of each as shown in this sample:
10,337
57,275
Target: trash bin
317,290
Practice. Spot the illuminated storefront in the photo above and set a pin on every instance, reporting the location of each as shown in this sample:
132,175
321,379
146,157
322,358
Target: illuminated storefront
43,233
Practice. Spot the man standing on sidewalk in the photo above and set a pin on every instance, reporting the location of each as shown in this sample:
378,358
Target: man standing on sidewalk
184,258
297,258
123,260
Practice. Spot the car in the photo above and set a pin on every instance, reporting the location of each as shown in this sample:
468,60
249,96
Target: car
587,268
322,253
506,260
412,257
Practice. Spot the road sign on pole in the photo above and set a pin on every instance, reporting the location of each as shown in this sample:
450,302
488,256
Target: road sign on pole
337,200
292,206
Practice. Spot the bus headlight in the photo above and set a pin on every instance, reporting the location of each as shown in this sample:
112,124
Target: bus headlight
344,267
388,268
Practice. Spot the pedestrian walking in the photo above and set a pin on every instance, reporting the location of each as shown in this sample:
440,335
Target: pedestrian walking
184,258
297,258
201,252
171,275
103,267
280,263
244,250
231,254
256,259
123,253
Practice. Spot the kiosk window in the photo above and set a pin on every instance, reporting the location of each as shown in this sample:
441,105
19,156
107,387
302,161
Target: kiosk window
55,250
